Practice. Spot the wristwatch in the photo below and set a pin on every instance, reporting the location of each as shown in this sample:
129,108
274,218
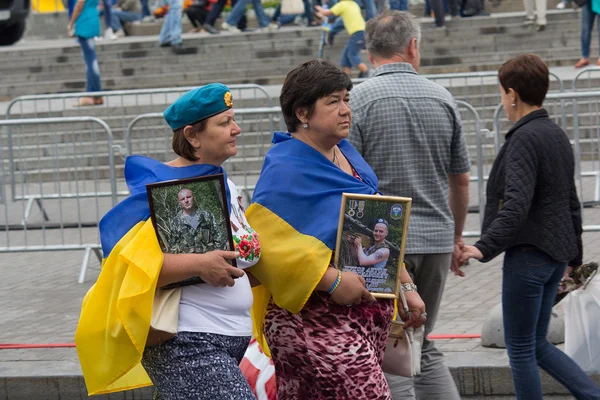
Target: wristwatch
409,287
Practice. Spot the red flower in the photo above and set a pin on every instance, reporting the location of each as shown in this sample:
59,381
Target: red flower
245,248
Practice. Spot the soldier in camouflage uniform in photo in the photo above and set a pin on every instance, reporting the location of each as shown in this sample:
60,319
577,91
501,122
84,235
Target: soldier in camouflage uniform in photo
194,231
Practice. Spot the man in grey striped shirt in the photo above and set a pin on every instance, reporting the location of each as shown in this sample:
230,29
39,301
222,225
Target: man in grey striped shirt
409,130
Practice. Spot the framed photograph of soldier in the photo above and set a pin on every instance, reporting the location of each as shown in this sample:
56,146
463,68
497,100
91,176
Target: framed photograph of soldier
371,240
191,216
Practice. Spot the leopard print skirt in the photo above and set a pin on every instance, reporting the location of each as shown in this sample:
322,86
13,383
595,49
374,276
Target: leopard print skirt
329,351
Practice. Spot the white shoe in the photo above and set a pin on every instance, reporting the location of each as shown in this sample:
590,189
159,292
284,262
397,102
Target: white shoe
561,5
272,27
109,34
225,26
120,33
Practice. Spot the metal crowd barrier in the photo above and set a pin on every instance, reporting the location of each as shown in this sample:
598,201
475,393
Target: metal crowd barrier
583,130
479,89
588,84
149,135
68,164
474,132
119,107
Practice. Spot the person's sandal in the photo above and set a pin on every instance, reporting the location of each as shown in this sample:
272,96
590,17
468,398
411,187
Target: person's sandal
582,63
84,102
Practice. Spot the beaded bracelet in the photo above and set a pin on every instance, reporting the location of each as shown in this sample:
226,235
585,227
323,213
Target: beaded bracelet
336,283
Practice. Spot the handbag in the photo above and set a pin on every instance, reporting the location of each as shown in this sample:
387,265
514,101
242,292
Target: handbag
292,7
165,316
403,350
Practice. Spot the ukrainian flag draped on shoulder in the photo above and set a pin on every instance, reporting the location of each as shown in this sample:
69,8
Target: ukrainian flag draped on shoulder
116,312
295,210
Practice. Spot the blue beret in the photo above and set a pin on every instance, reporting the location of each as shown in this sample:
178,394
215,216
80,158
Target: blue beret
381,221
198,104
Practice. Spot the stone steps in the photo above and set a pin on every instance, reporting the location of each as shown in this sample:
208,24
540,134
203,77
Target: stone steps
51,25
265,58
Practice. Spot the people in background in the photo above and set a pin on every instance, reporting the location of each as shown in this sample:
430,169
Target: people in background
170,33
536,13
238,11
197,13
588,17
84,25
125,11
354,23
215,11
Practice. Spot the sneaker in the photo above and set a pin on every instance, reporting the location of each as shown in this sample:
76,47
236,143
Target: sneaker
540,28
109,34
269,28
226,27
528,21
120,33
561,5
165,44
210,29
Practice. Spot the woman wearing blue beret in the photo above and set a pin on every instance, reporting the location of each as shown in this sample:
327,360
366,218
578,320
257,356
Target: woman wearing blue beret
215,327
214,324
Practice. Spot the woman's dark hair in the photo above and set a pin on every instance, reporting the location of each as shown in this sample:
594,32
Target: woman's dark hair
306,84
527,75
181,146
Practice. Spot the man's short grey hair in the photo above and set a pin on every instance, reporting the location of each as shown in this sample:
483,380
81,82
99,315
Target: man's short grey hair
390,33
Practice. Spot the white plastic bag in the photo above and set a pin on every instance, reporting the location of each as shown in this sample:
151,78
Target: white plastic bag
582,326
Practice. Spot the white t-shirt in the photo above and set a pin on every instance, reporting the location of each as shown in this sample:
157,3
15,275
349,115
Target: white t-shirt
224,311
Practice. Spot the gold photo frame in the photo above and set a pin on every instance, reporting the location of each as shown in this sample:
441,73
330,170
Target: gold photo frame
371,240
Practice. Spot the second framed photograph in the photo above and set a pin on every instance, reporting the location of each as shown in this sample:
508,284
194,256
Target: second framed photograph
191,216
371,240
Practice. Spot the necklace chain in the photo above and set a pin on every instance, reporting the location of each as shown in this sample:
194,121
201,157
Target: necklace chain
335,158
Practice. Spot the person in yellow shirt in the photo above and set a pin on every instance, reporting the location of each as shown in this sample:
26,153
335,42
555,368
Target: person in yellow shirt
355,24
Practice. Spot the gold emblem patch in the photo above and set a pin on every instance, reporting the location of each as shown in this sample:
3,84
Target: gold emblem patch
228,100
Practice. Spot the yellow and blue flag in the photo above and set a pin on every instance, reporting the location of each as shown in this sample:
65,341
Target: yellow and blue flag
295,211
116,312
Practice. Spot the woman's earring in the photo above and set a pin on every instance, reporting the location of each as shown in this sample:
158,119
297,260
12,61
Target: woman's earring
305,125
513,105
